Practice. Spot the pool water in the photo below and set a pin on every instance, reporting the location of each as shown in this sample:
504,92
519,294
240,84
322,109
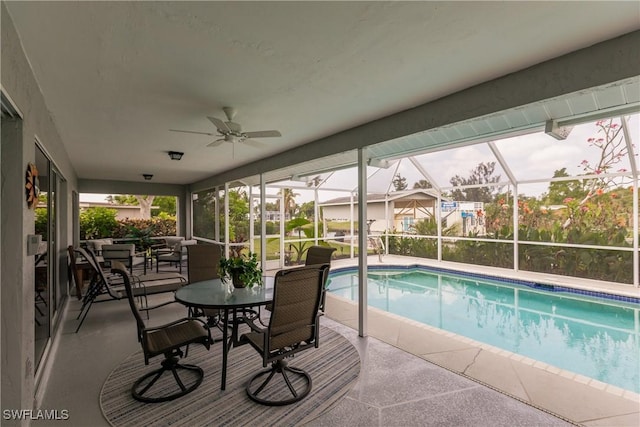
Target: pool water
595,337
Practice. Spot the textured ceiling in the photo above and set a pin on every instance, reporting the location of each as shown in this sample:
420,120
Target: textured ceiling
117,76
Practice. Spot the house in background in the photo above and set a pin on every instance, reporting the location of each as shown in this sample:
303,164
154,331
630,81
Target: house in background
401,210
122,211
396,210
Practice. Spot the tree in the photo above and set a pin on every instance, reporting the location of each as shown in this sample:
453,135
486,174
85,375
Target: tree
560,190
307,209
166,204
289,201
399,182
271,206
613,149
238,215
122,199
481,174
145,202
423,183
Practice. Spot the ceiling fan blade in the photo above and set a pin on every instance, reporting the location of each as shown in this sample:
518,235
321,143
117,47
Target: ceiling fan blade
254,143
215,143
192,131
262,134
222,126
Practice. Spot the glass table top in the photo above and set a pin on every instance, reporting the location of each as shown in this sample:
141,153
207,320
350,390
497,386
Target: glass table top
215,294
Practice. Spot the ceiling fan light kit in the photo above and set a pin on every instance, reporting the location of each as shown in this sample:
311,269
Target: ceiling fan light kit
231,131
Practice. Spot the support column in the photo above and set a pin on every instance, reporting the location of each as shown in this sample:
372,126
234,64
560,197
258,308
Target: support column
362,242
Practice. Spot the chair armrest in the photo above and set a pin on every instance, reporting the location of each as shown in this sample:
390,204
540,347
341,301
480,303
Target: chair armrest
157,306
254,327
162,251
176,322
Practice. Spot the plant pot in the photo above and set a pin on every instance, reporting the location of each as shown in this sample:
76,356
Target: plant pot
237,282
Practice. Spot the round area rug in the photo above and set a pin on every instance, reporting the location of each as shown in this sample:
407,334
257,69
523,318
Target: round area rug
334,367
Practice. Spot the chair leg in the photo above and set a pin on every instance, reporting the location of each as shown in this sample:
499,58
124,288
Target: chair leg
83,313
279,367
146,382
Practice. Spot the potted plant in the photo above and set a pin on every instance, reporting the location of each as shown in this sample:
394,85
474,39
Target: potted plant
243,270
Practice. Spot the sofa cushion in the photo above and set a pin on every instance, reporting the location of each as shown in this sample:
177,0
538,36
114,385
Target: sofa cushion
173,242
96,244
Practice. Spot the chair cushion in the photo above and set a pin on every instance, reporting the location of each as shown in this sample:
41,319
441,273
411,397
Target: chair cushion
171,256
173,242
165,339
118,251
96,244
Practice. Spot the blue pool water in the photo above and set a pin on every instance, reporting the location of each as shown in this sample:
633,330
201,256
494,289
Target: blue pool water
596,337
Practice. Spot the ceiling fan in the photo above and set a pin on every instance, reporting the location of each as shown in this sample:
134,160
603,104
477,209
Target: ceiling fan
231,131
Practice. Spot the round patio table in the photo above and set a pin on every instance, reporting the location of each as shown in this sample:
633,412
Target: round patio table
213,294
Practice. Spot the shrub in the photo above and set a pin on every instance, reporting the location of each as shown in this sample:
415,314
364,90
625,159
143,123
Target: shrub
96,223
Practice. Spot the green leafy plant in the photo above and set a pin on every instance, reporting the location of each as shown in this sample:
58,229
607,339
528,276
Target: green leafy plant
142,237
96,223
243,270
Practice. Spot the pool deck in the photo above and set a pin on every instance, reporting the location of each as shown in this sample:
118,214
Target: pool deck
573,397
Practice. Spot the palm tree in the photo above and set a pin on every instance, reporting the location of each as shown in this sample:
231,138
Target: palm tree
289,201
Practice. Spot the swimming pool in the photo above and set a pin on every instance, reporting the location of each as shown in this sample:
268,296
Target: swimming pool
596,337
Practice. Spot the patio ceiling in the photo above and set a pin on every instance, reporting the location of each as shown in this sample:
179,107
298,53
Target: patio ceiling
117,76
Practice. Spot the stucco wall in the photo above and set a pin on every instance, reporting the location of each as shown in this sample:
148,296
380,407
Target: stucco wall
17,221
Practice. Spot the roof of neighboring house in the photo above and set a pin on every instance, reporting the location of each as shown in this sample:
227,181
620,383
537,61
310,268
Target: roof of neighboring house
109,205
376,198
106,205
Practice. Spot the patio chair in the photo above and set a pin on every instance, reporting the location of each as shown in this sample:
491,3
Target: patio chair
320,255
167,340
112,286
293,327
75,273
100,284
123,252
202,264
175,252
317,255
95,245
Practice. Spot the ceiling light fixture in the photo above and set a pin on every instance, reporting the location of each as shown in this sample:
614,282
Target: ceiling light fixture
175,155
147,176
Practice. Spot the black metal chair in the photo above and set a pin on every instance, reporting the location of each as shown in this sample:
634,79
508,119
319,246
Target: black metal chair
166,340
293,327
